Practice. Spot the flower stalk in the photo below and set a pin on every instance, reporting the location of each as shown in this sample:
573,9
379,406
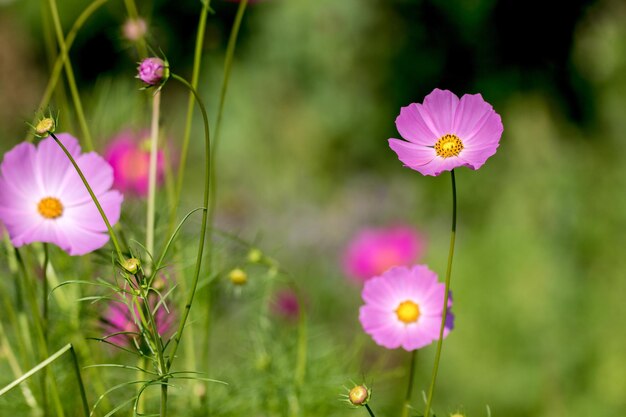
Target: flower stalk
431,390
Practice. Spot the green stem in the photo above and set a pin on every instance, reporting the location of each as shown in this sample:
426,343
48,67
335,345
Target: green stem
152,171
409,387
70,76
195,75
203,228
93,197
44,322
228,63
79,378
60,59
369,410
431,390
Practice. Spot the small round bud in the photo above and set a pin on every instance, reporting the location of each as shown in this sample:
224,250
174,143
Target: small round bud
255,255
152,71
45,125
238,276
131,265
134,29
359,395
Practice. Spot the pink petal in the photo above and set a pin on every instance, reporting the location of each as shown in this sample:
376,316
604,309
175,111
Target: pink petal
88,217
413,156
98,173
20,171
471,115
53,163
438,165
441,106
414,128
76,240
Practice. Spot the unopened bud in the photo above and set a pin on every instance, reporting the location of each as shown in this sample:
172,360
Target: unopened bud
255,256
45,125
359,395
238,276
131,265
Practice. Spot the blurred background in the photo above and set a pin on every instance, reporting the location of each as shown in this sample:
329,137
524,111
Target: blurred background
539,280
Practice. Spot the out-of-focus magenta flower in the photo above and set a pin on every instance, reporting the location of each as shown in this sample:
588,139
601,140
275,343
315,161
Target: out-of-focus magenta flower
286,304
42,198
403,308
152,71
130,159
121,329
373,251
445,133
134,29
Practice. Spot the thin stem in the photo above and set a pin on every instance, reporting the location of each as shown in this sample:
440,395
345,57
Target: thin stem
93,197
79,378
369,410
228,63
70,76
409,387
131,9
195,75
207,182
152,171
164,399
60,59
431,390
44,322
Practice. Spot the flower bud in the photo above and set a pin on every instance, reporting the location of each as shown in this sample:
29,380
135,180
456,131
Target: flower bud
359,395
238,276
255,256
152,71
134,29
45,125
131,265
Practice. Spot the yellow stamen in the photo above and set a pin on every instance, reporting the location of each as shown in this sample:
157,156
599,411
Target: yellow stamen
50,207
44,126
448,145
408,312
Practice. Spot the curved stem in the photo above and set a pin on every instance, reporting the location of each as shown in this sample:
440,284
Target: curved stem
70,76
203,228
431,390
93,197
60,60
195,75
409,387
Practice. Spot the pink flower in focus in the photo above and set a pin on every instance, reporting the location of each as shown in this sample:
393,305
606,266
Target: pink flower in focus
403,308
118,319
131,161
445,133
373,251
286,304
152,71
42,198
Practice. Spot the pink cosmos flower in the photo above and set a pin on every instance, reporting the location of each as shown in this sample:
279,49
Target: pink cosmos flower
373,251
445,133
118,319
403,308
131,161
152,70
42,198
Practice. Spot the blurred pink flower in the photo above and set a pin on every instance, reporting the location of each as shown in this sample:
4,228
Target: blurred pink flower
403,308
445,133
42,198
130,159
286,304
134,29
119,324
373,251
152,71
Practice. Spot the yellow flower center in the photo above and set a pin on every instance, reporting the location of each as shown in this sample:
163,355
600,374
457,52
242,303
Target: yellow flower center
44,126
448,145
50,207
408,312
